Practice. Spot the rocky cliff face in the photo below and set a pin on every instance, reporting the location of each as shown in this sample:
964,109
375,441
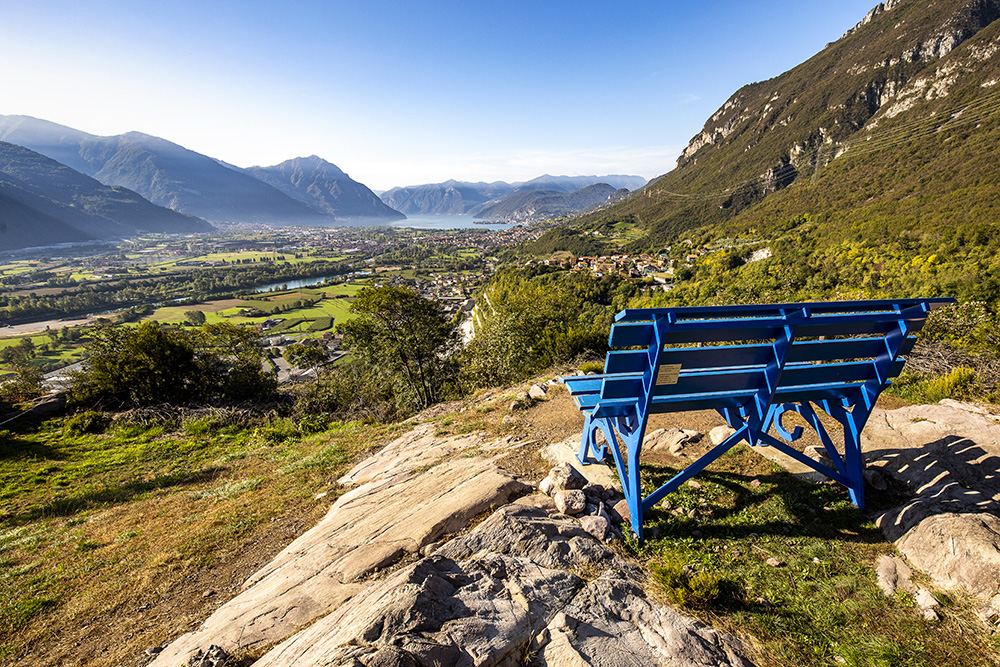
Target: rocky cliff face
832,95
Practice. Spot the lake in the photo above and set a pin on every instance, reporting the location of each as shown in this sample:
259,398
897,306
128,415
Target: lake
445,222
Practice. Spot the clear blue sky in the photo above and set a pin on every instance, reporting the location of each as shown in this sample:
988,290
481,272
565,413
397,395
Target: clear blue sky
404,92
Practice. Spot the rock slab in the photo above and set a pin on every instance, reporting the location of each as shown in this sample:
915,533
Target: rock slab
393,512
501,595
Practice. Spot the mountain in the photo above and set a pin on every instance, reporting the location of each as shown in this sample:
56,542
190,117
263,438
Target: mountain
44,202
574,183
165,173
907,77
322,185
448,198
464,198
528,205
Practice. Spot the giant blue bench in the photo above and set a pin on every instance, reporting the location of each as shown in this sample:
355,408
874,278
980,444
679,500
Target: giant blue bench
752,364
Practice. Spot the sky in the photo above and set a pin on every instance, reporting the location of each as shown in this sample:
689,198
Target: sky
406,92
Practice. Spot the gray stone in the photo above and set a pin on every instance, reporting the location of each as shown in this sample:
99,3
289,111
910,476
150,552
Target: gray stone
875,480
947,456
565,476
893,574
439,612
719,434
925,599
570,501
537,391
611,623
547,486
550,540
670,440
390,512
598,526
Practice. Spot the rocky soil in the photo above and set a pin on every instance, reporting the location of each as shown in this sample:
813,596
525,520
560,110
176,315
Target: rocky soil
445,552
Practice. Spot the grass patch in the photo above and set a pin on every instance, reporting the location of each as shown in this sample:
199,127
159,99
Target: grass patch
104,520
817,602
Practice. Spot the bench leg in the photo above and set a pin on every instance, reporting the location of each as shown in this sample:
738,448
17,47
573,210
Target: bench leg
588,441
855,465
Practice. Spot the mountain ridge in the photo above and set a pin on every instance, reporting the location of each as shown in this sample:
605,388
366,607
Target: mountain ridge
45,202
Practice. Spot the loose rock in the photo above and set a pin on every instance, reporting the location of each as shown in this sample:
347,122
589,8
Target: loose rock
597,526
536,391
570,501
565,476
719,434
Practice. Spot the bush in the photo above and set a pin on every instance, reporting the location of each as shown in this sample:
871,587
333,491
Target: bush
148,364
87,422
698,590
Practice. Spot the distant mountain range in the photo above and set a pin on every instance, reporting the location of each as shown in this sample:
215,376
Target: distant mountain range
43,202
464,198
304,191
90,187
525,205
323,186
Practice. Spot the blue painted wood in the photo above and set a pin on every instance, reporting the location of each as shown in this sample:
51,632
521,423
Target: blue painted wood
752,364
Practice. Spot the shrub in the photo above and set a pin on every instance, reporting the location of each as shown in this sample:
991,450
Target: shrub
87,422
697,590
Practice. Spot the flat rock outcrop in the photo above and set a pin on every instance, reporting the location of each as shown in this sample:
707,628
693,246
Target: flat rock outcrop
392,512
508,592
948,457
527,585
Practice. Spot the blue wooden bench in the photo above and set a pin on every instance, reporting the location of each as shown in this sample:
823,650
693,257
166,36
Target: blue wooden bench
752,364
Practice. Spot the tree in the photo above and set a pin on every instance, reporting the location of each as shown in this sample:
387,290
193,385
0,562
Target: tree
305,356
406,337
149,364
194,317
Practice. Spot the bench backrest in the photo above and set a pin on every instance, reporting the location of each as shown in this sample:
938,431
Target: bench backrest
800,351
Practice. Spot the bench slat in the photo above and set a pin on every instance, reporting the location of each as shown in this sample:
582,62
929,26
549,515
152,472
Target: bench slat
739,379
723,356
774,310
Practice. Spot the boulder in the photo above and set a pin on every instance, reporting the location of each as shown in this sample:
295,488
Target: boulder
537,391
503,595
719,434
948,457
893,574
671,440
570,501
565,476
391,513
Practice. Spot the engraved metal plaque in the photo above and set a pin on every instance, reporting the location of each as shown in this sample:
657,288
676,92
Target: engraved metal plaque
667,374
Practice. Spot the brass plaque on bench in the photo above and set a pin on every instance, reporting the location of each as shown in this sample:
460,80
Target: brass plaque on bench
667,374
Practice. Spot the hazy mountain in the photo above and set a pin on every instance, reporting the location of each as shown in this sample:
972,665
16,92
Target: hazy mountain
529,205
574,183
459,197
326,188
448,198
165,173
44,202
912,78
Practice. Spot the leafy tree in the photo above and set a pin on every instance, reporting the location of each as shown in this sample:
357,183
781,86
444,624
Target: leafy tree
305,356
406,338
231,362
194,317
149,364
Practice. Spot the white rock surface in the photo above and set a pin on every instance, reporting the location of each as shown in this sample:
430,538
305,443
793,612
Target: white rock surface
391,513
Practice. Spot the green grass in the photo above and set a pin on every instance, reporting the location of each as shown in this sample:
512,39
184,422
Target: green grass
89,519
821,605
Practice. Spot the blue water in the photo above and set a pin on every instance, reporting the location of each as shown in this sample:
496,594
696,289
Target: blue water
445,222
306,282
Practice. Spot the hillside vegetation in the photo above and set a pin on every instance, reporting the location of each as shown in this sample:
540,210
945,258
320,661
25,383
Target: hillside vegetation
867,170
